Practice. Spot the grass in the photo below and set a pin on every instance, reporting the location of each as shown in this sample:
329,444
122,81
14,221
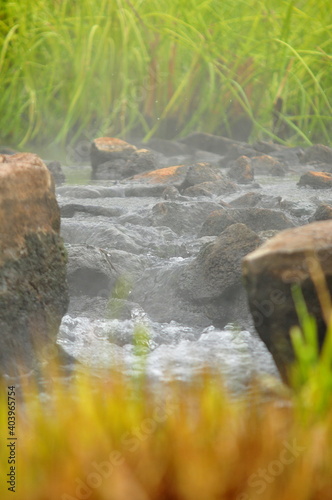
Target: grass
110,437
72,71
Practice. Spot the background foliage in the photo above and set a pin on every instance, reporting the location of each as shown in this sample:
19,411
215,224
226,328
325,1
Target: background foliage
143,67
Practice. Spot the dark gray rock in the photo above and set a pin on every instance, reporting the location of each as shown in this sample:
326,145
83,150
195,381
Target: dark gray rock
182,217
208,142
257,219
323,212
241,170
317,153
56,171
105,149
168,148
213,279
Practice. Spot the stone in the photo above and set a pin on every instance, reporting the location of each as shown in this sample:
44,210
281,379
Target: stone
218,188
108,149
269,274
316,180
168,148
235,151
316,153
323,212
183,217
257,219
168,176
265,164
263,219
213,278
208,142
56,171
247,200
202,172
33,285
241,170
217,222
141,160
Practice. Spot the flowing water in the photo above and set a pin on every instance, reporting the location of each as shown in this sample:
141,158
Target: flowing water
167,349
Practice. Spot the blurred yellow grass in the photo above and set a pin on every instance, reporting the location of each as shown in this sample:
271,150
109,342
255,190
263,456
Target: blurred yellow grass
111,438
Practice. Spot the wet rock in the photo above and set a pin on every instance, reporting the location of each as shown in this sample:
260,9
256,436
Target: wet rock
90,271
182,217
90,192
141,160
247,200
321,167
208,142
198,190
269,274
100,234
56,171
171,193
323,212
140,190
33,285
94,271
157,293
289,157
110,170
236,151
168,148
69,210
241,170
106,149
217,188
202,172
263,219
213,278
265,164
217,222
257,219
317,153
316,180
168,176
266,147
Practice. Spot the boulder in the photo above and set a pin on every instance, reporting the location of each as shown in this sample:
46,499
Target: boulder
183,217
269,274
139,161
217,188
33,284
317,153
257,219
208,142
109,149
323,212
56,170
317,180
265,164
213,279
168,176
241,170
202,172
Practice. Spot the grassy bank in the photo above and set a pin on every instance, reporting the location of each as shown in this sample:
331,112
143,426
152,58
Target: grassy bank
73,70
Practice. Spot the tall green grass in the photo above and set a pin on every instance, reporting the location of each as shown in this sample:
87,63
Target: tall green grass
81,69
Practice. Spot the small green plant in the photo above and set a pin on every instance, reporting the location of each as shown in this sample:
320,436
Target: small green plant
312,371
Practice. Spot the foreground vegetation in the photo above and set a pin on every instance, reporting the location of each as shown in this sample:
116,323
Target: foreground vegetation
107,437
77,70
